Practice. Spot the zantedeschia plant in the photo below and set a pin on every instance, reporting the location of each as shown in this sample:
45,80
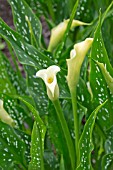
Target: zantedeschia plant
58,113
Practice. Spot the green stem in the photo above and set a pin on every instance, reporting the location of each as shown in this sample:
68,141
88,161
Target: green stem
66,132
76,122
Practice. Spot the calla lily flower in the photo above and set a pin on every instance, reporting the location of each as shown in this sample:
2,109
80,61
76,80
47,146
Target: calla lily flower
49,77
4,116
58,32
74,64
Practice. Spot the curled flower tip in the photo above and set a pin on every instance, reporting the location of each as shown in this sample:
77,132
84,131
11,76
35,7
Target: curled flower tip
49,77
82,47
4,116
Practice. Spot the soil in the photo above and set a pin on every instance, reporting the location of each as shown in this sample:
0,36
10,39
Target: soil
6,15
5,12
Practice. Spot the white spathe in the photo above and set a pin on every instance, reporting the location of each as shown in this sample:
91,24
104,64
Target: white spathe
49,77
74,64
4,116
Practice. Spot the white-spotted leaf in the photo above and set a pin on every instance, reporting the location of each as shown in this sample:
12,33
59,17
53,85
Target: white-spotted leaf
40,124
26,22
12,148
26,53
98,83
5,82
86,143
17,82
36,149
107,162
37,90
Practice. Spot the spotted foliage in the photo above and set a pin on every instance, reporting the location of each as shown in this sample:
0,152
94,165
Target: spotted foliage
85,143
14,149
36,150
98,83
27,145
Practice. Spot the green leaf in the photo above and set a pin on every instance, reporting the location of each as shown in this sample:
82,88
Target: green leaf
12,148
51,160
51,8
107,162
37,90
18,83
85,142
36,150
27,141
11,84
98,84
84,11
26,22
26,53
5,83
39,121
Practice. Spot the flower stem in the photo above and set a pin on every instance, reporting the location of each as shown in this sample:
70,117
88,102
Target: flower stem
66,132
76,122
